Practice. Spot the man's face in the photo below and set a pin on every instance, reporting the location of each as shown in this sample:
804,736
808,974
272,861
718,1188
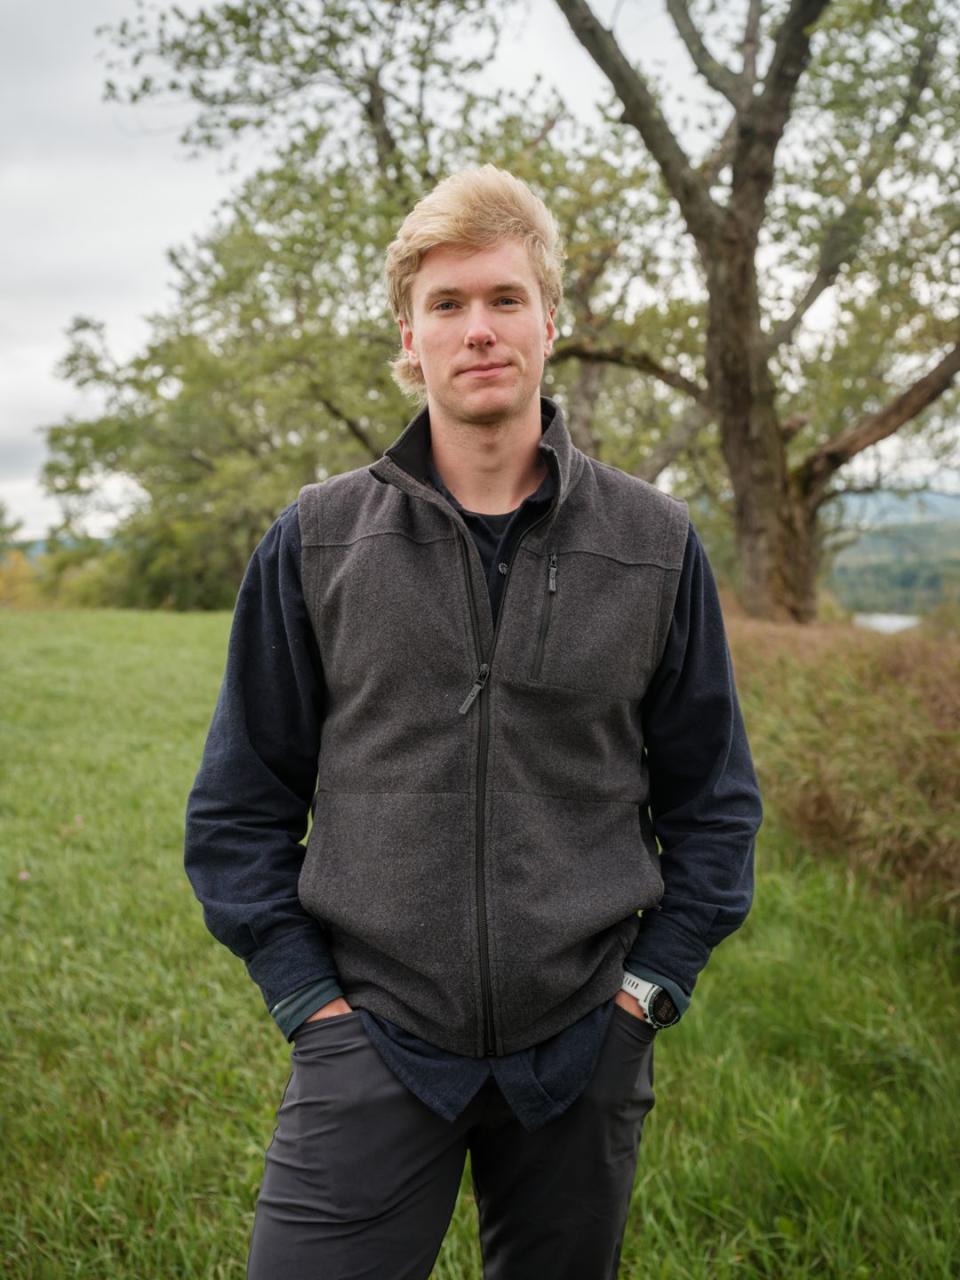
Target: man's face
478,331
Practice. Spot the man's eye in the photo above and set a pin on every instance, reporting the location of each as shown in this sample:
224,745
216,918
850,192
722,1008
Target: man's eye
440,306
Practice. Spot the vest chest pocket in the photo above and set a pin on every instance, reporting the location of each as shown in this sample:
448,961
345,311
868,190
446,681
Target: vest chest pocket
595,623
545,615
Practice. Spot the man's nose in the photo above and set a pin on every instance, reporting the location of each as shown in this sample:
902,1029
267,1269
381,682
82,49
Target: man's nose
479,332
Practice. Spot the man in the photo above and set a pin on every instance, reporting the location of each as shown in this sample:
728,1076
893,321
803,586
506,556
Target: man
495,670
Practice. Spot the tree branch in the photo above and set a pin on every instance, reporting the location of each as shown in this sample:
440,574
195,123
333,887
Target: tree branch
640,109
814,473
352,425
584,349
875,486
751,43
793,424
765,118
710,168
581,286
374,108
679,439
717,76
845,235
543,133
200,459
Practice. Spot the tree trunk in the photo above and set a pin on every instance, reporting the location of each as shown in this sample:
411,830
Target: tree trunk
776,530
779,549
581,403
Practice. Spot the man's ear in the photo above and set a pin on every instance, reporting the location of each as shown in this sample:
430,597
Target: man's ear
551,332
406,338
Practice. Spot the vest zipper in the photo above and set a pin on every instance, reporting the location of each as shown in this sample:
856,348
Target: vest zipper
478,684
545,615
476,691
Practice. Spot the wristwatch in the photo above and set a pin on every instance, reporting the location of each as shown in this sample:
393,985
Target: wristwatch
656,1003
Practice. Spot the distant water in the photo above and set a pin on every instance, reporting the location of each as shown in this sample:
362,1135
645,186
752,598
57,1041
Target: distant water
888,622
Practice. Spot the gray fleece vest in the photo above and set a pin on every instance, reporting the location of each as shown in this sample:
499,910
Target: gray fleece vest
480,844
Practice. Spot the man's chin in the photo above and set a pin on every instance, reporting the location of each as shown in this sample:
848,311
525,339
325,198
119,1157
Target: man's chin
488,405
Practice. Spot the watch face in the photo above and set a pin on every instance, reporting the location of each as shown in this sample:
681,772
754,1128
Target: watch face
664,1011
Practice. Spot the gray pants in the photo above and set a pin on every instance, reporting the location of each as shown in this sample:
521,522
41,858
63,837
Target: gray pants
361,1178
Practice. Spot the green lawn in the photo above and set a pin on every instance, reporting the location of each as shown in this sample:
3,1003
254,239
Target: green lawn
808,1113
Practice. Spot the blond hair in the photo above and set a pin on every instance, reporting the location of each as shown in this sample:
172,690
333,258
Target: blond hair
475,209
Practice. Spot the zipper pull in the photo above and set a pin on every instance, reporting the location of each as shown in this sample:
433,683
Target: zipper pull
478,684
552,581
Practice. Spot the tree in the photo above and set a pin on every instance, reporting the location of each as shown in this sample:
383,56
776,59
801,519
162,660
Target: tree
9,528
272,368
690,289
837,166
399,88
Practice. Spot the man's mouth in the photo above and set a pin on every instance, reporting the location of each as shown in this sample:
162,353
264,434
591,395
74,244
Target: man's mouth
485,370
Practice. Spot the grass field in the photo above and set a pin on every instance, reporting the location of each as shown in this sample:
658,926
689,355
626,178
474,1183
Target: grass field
808,1113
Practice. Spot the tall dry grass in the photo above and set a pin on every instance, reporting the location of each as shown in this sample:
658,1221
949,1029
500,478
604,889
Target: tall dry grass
856,738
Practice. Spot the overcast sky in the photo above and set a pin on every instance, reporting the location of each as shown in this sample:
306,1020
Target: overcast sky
90,197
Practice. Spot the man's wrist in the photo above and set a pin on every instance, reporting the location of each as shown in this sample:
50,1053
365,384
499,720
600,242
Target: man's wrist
678,994
630,1004
330,1010
655,1001
300,1004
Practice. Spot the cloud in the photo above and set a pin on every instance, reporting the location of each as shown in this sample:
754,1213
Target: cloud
93,196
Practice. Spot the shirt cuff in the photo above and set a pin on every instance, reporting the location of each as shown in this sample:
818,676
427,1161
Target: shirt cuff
664,943
292,957
295,1008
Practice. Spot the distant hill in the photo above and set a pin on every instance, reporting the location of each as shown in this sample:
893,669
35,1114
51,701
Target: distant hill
37,546
885,507
907,560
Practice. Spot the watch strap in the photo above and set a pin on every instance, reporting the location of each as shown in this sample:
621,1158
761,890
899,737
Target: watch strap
647,994
639,987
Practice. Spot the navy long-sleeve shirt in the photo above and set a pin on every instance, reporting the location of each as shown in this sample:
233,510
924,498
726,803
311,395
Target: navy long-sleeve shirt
265,736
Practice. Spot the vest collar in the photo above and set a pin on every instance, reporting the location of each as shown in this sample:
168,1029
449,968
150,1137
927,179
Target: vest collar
404,463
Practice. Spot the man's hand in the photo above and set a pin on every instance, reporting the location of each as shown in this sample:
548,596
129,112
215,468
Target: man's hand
626,1001
340,1006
